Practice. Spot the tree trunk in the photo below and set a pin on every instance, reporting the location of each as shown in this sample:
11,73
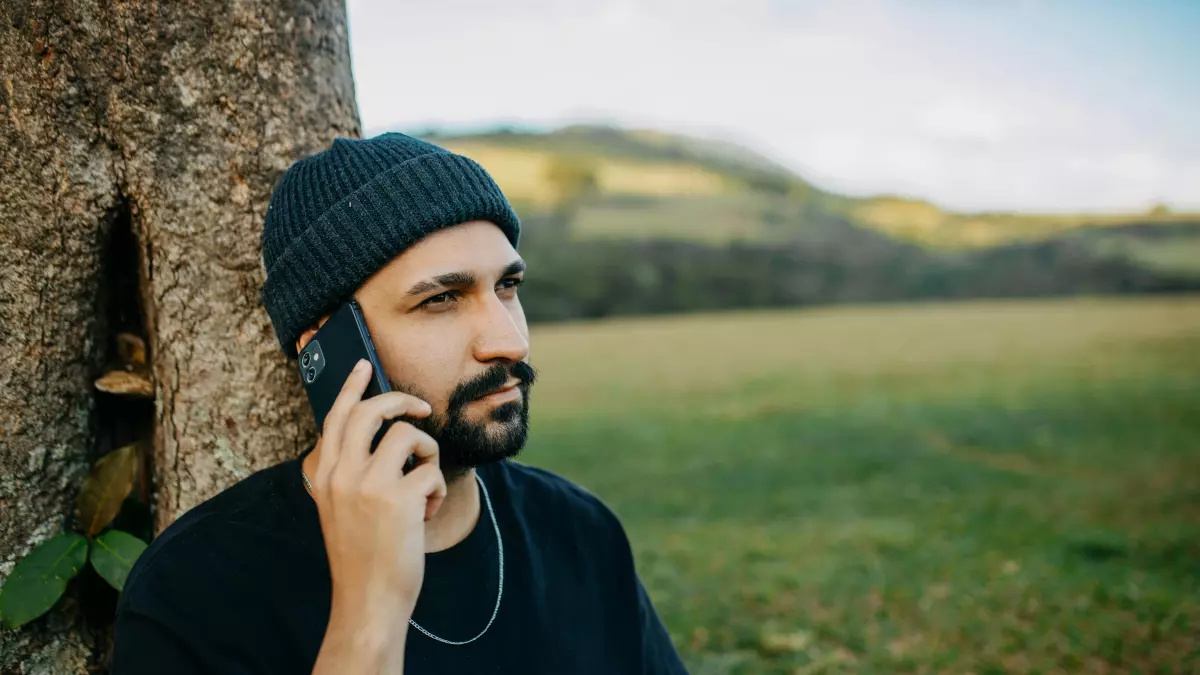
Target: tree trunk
139,144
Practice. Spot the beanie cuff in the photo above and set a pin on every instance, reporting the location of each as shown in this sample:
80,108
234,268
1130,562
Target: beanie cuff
358,235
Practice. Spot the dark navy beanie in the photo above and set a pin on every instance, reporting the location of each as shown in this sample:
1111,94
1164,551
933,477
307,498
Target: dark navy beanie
338,216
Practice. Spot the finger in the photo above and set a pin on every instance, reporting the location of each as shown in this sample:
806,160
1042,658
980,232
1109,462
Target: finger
400,441
427,480
330,442
434,502
367,416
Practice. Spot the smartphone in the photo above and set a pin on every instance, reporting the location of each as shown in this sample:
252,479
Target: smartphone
327,359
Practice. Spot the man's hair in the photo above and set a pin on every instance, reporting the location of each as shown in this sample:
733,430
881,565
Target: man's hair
336,217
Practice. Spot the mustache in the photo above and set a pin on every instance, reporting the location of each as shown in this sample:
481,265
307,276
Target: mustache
491,379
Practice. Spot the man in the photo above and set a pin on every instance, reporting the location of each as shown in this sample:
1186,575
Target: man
339,561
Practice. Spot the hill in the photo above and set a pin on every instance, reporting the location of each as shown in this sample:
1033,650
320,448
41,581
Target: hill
627,222
652,184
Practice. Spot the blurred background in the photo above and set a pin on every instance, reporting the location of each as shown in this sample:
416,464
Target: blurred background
874,321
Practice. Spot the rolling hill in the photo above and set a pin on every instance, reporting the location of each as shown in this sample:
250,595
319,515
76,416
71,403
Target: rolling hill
651,184
620,222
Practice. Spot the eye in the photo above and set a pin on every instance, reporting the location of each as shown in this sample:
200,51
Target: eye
510,284
441,299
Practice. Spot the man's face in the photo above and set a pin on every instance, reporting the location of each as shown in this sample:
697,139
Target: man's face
449,329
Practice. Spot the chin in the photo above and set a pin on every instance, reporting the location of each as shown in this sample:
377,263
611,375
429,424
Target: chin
505,415
476,434
506,431
499,435
507,443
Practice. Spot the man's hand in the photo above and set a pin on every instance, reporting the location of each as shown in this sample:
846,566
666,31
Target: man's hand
373,519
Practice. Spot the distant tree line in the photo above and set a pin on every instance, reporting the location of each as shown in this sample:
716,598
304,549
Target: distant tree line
572,278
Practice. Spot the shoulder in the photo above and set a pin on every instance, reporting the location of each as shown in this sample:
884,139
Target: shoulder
543,495
216,538
546,487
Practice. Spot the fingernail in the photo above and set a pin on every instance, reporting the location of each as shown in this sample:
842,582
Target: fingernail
360,366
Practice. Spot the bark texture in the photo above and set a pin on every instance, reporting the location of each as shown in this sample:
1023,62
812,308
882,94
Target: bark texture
164,125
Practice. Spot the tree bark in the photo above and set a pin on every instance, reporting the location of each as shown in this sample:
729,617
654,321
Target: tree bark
139,144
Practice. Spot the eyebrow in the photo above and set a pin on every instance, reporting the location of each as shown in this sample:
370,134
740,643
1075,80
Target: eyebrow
460,279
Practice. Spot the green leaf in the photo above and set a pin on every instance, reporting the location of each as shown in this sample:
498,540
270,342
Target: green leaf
40,579
113,554
106,488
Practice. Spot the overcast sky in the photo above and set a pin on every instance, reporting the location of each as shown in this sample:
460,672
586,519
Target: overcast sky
973,104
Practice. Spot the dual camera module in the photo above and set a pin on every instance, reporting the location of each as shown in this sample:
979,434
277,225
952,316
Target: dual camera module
311,362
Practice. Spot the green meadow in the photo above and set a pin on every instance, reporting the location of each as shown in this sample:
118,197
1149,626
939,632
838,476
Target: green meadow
986,487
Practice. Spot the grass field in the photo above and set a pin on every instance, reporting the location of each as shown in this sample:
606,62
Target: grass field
997,487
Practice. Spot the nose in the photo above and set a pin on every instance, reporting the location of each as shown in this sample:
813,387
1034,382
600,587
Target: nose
502,336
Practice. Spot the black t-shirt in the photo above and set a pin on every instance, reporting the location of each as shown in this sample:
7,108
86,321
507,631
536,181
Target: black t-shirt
240,585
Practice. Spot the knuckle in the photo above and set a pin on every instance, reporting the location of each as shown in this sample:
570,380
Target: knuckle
402,401
399,431
423,442
353,412
431,474
392,499
342,486
361,414
377,491
333,419
394,397
361,410
369,405
396,499
402,397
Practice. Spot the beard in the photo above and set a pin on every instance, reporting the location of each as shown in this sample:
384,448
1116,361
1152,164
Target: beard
464,444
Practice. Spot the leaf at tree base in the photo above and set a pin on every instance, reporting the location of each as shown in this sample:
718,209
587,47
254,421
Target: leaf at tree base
113,554
105,489
39,580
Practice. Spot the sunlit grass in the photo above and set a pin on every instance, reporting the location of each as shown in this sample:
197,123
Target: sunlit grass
706,201
924,223
525,173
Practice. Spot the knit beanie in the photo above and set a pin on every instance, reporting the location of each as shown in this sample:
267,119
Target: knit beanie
337,217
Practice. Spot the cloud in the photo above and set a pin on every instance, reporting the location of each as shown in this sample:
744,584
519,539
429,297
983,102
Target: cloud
860,96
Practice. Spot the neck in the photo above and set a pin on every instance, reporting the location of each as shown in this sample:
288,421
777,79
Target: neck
459,513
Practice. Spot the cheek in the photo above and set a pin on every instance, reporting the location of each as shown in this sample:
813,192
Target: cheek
425,368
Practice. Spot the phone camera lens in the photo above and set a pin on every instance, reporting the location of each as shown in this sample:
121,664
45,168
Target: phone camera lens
310,375
306,359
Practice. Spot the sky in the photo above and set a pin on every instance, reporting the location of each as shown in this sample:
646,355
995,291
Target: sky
1026,105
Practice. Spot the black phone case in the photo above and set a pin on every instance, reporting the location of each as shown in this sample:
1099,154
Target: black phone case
327,359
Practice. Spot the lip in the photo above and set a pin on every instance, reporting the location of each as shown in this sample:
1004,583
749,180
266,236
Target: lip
509,392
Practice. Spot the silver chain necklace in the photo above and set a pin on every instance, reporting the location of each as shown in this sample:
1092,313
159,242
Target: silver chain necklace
499,545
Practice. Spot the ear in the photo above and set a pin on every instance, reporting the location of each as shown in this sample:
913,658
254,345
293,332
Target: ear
309,332
305,337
